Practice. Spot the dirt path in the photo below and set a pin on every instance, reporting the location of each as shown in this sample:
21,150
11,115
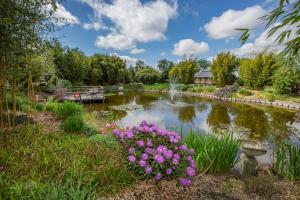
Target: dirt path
51,122
214,187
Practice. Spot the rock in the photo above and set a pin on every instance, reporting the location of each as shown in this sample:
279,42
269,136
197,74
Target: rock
264,168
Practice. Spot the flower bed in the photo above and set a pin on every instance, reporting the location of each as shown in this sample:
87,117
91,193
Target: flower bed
154,152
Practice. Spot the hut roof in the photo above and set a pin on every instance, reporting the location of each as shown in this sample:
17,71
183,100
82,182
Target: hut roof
203,74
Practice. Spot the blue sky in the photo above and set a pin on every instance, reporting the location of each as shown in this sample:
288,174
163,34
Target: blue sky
154,29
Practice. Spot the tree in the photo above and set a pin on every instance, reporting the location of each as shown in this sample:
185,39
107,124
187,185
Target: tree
222,68
257,72
184,71
140,64
283,20
203,64
287,78
107,70
147,75
165,66
74,66
23,25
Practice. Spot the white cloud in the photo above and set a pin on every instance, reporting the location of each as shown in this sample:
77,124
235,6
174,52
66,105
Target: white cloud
132,21
129,60
225,25
95,25
263,42
62,17
137,51
189,47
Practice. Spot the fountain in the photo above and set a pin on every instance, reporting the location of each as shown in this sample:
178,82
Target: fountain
172,91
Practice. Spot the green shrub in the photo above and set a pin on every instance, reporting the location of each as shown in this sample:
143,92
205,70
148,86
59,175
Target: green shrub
134,86
287,81
157,86
40,107
213,154
245,92
157,153
89,130
21,102
51,106
67,109
73,124
50,89
287,159
65,83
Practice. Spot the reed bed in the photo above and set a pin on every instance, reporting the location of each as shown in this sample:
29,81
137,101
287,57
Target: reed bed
214,154
287,161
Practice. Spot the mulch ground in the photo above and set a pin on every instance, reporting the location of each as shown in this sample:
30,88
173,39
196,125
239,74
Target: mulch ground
213,187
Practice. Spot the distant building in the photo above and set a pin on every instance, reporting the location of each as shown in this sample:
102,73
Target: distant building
204,77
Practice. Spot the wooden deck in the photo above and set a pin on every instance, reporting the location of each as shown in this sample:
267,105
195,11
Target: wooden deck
84,94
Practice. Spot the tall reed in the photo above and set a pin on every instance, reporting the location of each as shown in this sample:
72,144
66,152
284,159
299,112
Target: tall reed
213,153
287,161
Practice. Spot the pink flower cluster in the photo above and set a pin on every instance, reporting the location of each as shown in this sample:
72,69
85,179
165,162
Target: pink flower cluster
157,153
108,127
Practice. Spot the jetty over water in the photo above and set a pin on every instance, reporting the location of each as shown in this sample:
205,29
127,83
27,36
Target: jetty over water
84,94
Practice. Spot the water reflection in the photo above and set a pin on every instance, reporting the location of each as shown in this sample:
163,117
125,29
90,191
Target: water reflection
263,123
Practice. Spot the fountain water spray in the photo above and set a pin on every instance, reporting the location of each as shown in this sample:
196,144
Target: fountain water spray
173,89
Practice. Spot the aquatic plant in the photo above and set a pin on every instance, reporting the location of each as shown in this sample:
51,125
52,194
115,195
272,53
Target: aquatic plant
213,153
286,161
154,152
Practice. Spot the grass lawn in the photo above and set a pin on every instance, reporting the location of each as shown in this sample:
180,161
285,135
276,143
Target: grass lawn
39,165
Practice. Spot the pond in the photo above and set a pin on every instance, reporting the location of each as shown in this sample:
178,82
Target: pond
266,124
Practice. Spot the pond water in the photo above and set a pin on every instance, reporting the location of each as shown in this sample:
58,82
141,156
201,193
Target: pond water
265,124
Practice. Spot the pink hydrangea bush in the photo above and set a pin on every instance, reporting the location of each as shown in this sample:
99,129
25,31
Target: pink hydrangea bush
154,152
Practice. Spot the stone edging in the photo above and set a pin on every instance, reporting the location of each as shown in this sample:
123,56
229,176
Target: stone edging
249,101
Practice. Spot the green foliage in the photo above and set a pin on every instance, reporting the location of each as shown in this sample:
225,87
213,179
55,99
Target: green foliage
157,86
134,86
74,65
203,64
21,102
64,83
40,107
108,139
244,92
257,72
51,106
89,130
213,154
165,66
286,79
107,70
184,71
287,159
73,124
147,75
67,109
222,68
282,22
50,89
59,166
